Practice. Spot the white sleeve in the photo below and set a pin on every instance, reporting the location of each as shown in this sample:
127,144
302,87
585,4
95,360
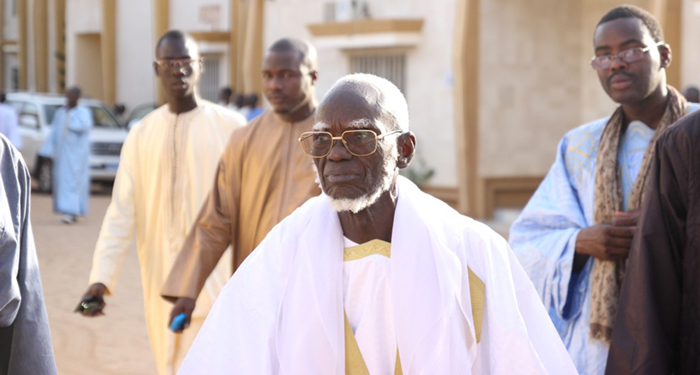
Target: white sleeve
118,227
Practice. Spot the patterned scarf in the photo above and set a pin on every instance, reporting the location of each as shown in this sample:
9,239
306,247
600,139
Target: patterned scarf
607,275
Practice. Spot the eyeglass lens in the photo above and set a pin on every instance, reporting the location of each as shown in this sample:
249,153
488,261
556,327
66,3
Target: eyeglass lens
177,63
628,56
359,143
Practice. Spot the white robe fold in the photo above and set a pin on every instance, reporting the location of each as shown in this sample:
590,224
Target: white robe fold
282,311
166,169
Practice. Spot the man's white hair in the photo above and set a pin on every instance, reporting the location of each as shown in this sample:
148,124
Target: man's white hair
390,99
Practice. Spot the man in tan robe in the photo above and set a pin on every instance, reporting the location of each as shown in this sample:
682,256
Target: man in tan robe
263,176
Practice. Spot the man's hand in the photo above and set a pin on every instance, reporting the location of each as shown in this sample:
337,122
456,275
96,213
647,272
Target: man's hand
609,241
92,303
626,219
182,305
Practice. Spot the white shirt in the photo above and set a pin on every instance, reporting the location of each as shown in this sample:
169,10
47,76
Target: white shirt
367,302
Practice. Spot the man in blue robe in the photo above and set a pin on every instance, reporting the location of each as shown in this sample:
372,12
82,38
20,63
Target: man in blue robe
69,147
574,235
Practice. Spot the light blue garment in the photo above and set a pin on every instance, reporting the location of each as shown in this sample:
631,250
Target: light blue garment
69,146
254,112
9,125
544,236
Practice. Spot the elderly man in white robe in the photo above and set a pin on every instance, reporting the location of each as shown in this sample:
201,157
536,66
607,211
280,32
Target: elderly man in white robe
167,167
373,276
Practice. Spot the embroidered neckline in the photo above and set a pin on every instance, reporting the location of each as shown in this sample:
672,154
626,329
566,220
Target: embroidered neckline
366,249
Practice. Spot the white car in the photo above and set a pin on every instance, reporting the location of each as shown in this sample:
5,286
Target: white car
35,112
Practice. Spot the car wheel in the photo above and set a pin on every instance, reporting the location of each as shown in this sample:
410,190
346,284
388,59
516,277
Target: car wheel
44,176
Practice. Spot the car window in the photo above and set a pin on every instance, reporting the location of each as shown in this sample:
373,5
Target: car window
30,109
103,118
15,104
50,111
140,112
29,116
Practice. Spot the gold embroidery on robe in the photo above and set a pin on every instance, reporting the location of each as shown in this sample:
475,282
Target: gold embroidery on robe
366,249
354,363
477,295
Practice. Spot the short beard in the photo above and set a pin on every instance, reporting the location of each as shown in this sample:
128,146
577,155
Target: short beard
383,185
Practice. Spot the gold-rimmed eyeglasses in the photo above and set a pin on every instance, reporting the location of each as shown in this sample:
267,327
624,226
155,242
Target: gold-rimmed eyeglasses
186,63
359,142
603,62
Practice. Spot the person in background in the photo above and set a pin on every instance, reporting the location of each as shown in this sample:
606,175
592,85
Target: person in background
252,104
68,146
263,175
239,103
9,123
692,93
225,97
575,233
120,112
657,330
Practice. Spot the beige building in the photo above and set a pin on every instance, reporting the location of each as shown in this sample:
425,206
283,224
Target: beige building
492,85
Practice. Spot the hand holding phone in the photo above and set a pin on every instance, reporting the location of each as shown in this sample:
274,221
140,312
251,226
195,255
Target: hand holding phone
92,303
90,306
178,322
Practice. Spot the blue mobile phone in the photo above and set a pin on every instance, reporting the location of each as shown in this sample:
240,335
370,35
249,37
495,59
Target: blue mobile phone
178,322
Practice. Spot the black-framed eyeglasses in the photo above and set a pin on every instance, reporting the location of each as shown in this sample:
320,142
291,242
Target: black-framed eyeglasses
603,62
359,142
186,63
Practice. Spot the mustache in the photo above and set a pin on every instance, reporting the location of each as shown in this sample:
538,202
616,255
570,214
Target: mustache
628,75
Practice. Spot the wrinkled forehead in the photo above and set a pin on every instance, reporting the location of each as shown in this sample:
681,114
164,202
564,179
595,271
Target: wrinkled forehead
350,108
356,124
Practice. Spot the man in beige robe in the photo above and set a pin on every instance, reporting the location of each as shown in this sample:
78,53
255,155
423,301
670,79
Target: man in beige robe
263,176
166,169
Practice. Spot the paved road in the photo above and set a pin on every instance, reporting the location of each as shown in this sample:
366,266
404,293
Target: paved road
116,343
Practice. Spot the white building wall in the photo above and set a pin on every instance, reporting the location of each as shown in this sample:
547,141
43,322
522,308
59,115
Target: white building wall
205,16
135,53
529,84
10,24
202,15
82,17
690,66
429,68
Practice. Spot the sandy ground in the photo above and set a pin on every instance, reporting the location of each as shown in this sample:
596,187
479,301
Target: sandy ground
116,343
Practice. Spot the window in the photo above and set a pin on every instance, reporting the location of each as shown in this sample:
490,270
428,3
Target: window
29,116
49,112
209,82
103,119
14,79
389,65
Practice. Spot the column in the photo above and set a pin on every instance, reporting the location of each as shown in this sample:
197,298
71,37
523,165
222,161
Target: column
466,96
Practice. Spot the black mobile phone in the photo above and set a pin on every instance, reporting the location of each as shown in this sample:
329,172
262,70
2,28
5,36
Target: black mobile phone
89,306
